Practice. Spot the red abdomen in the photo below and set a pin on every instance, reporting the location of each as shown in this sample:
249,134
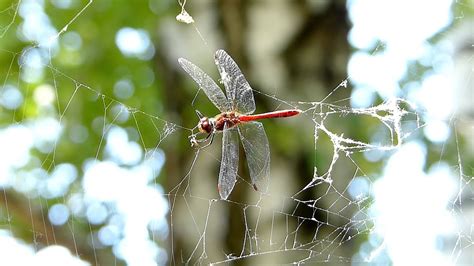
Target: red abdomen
275,114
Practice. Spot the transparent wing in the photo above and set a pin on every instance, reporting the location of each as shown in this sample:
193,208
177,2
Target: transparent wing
237,88
229,162
210,88
257,152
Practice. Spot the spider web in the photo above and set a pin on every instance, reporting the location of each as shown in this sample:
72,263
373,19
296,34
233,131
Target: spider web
95,193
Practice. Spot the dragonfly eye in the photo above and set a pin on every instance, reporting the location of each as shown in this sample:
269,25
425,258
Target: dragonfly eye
204,125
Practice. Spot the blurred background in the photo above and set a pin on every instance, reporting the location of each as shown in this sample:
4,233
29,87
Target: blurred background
96,167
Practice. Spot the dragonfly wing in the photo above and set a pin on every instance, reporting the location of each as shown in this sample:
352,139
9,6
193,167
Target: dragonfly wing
210,88
237,88
257,152
229,162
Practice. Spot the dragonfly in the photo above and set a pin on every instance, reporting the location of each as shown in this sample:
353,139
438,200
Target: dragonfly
235,120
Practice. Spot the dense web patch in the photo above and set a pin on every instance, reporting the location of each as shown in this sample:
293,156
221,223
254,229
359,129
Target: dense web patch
338,215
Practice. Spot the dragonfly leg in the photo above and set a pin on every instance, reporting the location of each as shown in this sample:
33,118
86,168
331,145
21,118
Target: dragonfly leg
212,137
255,187
196,142
209,137
199,114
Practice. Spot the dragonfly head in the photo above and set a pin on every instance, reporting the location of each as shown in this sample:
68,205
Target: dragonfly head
205,125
